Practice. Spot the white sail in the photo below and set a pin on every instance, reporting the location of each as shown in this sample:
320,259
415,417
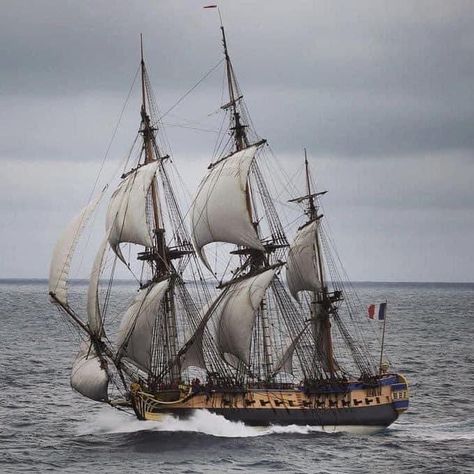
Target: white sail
302,263
89,377
285,364
136,329
194,355
64,250
93,309
221,209
236,313
126,216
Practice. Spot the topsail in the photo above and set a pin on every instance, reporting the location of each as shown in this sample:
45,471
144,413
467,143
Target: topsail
302,266
127,219
221,209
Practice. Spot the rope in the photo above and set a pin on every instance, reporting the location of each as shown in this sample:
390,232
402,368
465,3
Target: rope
191,89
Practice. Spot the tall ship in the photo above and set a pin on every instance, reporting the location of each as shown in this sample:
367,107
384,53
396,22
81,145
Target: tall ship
278,339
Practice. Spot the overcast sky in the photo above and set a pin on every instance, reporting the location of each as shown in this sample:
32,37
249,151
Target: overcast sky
380,93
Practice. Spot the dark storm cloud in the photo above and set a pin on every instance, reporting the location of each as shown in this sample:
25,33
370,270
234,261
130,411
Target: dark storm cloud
68,47
361,79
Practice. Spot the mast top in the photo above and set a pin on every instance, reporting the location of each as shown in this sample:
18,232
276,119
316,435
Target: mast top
238,129
311,206
145,118
224,43
147,128
312,210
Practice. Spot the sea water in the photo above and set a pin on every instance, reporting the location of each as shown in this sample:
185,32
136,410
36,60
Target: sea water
45,426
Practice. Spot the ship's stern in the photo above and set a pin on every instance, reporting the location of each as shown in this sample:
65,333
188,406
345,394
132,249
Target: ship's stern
400,394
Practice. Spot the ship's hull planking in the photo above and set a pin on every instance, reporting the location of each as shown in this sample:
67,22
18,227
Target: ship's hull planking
351,407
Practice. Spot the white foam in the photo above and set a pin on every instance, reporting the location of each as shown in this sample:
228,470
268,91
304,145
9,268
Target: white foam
112,421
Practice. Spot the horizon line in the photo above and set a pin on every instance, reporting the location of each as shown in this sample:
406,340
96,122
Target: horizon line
126,280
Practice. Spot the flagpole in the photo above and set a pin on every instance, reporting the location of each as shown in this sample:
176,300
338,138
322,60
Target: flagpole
383,338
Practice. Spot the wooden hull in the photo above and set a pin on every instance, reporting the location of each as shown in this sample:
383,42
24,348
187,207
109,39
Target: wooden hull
350,405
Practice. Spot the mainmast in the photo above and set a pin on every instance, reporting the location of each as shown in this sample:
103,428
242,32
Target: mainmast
257,260
255,257
233,205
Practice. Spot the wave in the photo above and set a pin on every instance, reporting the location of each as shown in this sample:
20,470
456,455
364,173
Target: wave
110,421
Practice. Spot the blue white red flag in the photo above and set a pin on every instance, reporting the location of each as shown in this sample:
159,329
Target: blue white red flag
377,311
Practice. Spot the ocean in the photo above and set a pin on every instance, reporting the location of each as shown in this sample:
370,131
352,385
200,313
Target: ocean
46,427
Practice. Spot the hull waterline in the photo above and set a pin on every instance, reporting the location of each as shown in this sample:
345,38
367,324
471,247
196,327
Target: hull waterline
352,407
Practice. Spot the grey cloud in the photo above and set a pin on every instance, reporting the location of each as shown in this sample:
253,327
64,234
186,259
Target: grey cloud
380,94
360,80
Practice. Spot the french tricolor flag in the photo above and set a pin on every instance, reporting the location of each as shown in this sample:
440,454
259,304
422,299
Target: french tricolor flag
377,311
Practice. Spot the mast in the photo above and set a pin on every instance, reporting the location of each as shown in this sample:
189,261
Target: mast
314,308
150,149
321,304
225,210
257,259
158,258
141,207
383,340
237,128
324,298
267,342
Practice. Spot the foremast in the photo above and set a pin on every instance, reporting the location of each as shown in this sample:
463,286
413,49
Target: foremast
143,210
154,333
159,256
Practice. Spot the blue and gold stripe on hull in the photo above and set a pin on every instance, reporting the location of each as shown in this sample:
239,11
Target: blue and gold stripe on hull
353,404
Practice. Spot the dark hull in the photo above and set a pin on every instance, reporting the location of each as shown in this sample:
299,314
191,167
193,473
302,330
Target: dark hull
377,416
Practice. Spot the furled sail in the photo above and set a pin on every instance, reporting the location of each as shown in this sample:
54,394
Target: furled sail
302,263
236,316
89,377
221,210
64,250
136,329
93,309
126,216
